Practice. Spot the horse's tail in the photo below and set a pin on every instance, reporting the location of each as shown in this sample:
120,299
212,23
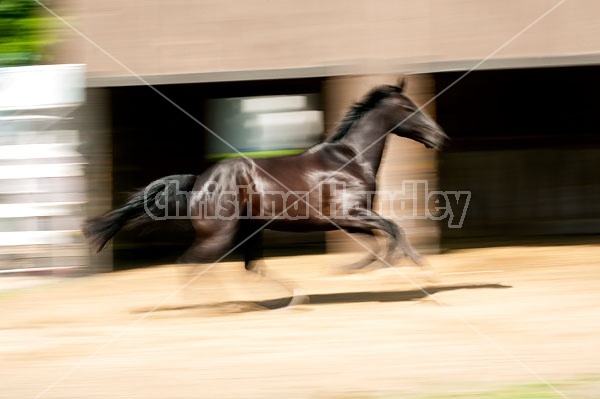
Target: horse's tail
162,199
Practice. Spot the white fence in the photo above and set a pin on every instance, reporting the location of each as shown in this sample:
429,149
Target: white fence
42,181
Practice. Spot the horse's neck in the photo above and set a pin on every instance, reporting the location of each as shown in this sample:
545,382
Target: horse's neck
368,139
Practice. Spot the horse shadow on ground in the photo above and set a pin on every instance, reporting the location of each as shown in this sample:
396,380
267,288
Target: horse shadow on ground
332,298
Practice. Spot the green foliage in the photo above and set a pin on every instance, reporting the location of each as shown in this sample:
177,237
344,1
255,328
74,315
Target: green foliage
22,32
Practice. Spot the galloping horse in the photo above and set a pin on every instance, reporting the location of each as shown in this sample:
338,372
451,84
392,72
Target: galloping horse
329,186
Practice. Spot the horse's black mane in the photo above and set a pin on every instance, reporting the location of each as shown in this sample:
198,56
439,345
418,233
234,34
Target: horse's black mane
356,112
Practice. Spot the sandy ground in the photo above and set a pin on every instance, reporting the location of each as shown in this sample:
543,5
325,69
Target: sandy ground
510,322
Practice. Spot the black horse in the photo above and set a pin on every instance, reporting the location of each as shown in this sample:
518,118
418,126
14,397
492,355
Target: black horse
329,186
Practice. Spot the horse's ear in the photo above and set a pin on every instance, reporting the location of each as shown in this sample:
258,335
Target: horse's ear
402,84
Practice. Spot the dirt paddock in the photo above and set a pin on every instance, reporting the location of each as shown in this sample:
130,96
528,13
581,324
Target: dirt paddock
507,322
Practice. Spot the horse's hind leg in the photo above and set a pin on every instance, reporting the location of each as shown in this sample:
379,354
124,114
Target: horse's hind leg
204,251
212,242
251,243
207,252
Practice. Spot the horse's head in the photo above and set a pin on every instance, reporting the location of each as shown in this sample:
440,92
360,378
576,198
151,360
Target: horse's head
409,121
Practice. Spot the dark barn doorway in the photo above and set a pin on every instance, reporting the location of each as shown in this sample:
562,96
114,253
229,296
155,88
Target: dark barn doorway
152,138
526,143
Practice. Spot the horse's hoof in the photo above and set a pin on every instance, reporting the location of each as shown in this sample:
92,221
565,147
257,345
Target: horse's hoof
430,274
298,298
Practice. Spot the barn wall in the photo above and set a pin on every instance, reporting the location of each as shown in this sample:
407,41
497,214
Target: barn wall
190,36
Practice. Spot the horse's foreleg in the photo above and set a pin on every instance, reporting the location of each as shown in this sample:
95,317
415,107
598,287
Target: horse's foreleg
368,221
399,239
409,250
361,264
372,257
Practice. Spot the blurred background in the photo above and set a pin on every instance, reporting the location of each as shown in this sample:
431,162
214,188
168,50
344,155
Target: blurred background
80,128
